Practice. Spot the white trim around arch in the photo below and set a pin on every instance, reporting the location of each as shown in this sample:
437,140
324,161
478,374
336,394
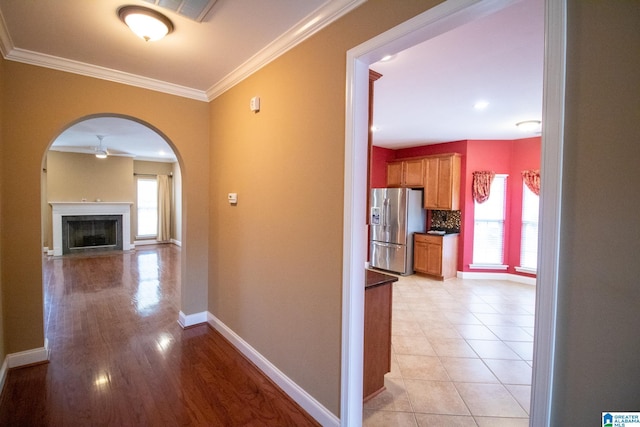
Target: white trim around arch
443,17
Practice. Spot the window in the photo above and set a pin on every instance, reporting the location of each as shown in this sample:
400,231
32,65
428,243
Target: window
147,207
488,230
529,239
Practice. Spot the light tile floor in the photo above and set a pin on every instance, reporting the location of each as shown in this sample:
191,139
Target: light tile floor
461,355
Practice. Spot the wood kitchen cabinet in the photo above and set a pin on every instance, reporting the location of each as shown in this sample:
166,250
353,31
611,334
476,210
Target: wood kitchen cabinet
435,255
442,182
377,331
405,173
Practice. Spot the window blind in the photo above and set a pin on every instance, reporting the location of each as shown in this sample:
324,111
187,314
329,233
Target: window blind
529,239
488,231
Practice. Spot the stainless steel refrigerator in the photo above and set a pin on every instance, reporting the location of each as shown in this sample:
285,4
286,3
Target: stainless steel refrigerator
394,215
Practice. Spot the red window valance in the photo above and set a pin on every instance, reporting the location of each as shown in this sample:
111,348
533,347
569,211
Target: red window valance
481,185
531,179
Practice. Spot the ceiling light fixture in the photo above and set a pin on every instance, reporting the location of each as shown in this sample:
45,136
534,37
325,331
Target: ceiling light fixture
146,23
528,125
101,152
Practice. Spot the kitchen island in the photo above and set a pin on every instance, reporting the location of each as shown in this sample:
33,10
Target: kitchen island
377,331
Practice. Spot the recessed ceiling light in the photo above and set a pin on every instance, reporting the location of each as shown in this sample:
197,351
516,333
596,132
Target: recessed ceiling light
388,58
480,105
146,23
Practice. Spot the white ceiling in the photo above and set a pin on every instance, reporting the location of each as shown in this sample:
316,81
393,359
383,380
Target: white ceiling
121,137
425,95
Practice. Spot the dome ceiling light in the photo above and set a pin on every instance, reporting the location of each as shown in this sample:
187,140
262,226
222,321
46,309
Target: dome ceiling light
529,125
146,23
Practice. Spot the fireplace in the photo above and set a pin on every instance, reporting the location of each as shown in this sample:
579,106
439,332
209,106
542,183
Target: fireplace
90,227
91,232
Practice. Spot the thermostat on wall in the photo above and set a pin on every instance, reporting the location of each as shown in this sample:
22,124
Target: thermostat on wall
233,198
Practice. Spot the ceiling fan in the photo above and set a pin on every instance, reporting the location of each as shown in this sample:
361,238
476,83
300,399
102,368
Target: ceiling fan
99,150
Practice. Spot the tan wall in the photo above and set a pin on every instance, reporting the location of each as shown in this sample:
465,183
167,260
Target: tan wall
39,104
152,168
598,345
72,177
276,257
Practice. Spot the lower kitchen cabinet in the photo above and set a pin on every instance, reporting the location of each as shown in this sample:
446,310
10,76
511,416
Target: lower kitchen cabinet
378,293
435,255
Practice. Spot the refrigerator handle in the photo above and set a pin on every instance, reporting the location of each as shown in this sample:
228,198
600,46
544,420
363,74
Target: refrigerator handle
385,212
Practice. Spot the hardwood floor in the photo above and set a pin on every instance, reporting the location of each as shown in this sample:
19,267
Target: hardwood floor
119,357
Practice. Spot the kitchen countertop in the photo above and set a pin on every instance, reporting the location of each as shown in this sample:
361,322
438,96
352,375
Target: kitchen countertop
374,278
448,233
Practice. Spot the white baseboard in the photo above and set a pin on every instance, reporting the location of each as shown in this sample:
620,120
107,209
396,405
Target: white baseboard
23,358
298,394
186,320
497,276
145,242
28,357
155,242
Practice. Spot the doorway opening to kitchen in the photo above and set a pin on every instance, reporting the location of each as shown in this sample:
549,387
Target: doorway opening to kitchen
436,21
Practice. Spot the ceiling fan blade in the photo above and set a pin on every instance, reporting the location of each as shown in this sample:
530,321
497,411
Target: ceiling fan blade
74,149
90,149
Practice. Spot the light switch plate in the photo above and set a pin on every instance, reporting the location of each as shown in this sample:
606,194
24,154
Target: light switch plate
254,104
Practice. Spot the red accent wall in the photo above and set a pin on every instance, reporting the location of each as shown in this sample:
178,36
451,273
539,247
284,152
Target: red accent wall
483,155
428,150
379,158
503,157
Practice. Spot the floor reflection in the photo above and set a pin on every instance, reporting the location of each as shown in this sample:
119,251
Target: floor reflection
147,296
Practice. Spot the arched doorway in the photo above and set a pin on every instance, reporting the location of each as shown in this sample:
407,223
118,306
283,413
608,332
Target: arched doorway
97,164
129,144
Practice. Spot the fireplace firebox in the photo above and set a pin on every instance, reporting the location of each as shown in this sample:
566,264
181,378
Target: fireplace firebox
91,232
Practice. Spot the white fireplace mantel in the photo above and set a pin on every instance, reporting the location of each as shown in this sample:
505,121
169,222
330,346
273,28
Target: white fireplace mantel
61,209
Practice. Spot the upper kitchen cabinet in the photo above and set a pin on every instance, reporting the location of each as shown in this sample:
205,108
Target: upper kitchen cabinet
442,182
405,173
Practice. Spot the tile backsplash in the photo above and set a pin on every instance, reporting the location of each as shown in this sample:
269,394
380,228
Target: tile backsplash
445,220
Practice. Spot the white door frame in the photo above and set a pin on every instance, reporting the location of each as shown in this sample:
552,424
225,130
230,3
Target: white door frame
437,20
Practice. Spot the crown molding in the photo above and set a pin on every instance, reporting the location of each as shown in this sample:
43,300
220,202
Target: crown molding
304,29
82,68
